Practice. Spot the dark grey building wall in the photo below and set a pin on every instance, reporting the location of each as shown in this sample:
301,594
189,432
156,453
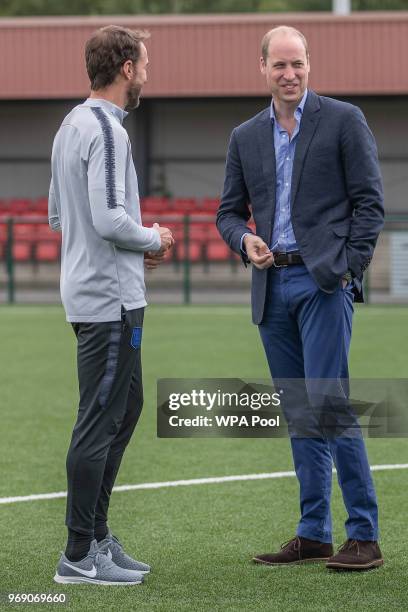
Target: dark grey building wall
190,137
179,145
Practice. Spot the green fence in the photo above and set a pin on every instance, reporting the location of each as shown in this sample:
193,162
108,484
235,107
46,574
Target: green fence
200,267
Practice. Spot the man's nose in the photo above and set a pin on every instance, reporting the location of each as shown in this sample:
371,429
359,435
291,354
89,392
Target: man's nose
289,74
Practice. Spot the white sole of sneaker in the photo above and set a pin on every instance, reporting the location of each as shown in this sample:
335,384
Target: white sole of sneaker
79,580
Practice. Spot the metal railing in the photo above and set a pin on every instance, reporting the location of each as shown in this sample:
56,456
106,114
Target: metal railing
199,267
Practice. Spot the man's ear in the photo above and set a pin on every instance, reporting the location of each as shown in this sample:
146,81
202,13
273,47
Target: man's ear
262,65
127,70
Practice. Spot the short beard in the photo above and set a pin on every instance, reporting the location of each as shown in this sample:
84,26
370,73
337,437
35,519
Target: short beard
133,97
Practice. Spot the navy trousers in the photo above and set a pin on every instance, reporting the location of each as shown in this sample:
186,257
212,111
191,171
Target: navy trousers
306,335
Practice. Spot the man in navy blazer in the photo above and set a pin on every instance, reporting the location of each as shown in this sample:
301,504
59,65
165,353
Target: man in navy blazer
307,169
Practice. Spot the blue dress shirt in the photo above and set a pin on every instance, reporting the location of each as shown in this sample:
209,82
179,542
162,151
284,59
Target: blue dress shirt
283,238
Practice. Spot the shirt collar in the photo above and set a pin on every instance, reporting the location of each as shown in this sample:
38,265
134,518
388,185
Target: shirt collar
109,107
299,109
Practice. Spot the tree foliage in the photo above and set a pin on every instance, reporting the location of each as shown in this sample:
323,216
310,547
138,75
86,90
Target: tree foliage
129,7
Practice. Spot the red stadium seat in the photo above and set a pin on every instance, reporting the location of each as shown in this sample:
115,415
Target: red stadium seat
176,228
5,207
34,213
3,240
194,251
38,241
213,233
48,244
210,205
24,231
24,238
21,251
217,251
45,233
185,206
47,251
40,206
198,232
155,205
19,207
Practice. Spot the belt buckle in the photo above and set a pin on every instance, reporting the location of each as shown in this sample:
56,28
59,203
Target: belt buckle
279,266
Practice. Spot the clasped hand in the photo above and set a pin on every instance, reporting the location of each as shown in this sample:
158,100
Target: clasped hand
154,258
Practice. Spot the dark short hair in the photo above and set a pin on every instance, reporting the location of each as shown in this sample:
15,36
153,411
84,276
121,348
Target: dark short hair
108,49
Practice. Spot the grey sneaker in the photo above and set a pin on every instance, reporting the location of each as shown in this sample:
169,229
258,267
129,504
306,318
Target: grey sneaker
95,568
114,550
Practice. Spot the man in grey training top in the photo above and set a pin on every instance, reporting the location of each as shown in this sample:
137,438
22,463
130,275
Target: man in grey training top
94,200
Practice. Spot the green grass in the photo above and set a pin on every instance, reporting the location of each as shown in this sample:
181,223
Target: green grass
198,539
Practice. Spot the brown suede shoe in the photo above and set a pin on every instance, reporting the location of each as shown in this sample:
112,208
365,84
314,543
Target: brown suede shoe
356,555
297,550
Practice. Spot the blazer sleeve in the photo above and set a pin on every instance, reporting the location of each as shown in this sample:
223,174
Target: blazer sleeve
233,213
364,189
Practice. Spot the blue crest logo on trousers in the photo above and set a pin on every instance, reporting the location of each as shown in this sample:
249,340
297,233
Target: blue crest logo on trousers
136,339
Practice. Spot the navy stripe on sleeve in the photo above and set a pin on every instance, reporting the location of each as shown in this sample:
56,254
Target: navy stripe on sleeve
109,147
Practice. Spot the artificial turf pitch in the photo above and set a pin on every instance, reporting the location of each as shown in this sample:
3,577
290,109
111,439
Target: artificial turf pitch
200,539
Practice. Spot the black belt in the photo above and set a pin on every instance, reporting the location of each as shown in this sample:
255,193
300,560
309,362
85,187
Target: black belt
287,259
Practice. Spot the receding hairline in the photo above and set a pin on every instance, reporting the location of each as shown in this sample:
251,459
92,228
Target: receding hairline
282,31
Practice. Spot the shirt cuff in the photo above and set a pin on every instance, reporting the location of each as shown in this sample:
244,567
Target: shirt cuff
242,247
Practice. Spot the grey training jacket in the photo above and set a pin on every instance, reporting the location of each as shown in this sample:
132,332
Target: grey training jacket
94,200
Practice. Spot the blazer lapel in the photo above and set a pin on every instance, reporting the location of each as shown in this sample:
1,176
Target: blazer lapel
308,125
267,153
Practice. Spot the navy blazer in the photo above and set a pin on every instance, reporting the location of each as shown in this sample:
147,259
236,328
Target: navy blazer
337,206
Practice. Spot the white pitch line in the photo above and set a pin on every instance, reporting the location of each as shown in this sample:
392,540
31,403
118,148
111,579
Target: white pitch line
188,483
